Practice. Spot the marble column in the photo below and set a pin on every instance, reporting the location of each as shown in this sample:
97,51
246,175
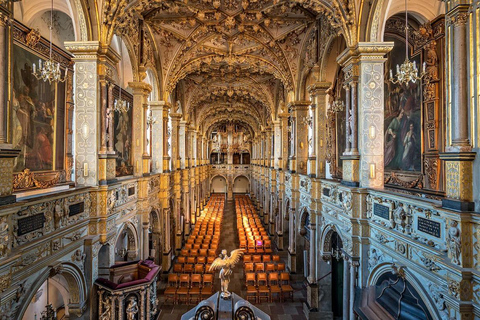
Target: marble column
300,115
175,118
353,277
318,92
458,157
346,288
283,141
156,108
364,69
4,56
88,123
312,288
183,144
146,248
166,136
292,250
141,90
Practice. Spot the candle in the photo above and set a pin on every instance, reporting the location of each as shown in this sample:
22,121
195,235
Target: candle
391,74
40,64
34,68
424,66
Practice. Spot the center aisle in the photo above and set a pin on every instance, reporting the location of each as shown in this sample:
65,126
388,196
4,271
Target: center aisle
229,240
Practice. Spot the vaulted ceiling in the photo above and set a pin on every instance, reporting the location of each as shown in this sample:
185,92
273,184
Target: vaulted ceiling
231,58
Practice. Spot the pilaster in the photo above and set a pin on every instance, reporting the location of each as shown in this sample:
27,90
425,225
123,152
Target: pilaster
299,156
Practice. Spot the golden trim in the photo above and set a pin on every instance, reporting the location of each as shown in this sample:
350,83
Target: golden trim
26,180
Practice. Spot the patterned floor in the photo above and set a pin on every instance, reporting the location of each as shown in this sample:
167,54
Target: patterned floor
229,239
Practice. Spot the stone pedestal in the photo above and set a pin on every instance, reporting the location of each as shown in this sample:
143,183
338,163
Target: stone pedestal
7,158
459,181
351,173
107,168
292,261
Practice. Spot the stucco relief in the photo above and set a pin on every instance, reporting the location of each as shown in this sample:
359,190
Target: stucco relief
86,122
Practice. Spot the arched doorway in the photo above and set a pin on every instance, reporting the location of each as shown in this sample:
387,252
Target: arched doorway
60,289
126,248
241,184
218,185
104,261
154,238
337,274
303,243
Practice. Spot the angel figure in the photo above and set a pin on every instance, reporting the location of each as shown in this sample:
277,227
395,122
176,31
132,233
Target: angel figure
226,264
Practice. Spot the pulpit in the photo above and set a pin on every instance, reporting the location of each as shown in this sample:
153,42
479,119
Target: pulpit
130,293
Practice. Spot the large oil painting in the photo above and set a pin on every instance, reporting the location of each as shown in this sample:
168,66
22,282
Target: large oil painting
123,135
37,117
403,124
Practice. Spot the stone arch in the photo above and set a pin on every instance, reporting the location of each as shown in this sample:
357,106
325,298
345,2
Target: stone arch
75,9
227,184
127,232
241,176
382,10
76,287
304,219
326,238
426,296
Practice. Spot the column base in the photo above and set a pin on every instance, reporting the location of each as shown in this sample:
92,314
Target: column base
352,184
279,242
459,180
292,261
351,170
8,199
312,297
316,315
458,205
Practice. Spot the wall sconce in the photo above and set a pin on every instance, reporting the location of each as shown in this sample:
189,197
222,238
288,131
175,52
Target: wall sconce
371,132
85,169
85,130
372,171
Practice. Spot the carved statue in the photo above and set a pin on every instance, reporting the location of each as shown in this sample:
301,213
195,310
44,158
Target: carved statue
431,61
226,264
106,314
132,308
109,126
4,238
454,244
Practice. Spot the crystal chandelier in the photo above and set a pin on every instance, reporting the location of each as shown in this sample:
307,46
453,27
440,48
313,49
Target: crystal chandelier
121,105
49,71
336,252
151,120
408,71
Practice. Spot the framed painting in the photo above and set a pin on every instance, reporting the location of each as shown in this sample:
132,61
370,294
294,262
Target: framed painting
403,116
37,116
123,135
39,113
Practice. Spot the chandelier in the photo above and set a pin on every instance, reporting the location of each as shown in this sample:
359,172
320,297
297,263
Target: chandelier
121,105
49,313
336,252
408,71
151,120
49,70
